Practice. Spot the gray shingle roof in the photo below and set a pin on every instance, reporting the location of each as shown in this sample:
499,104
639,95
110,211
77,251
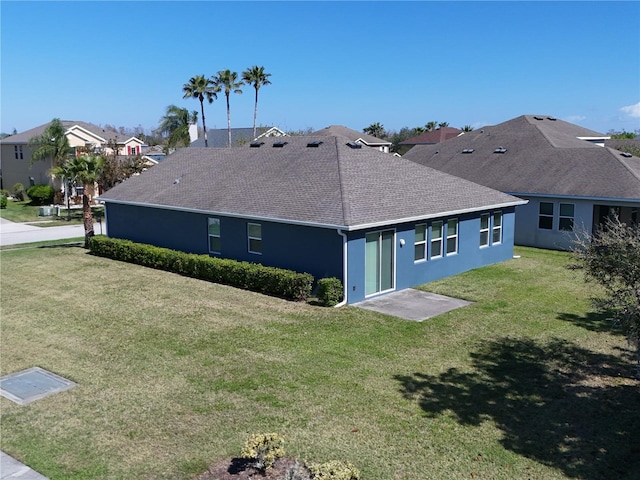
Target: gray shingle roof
219,137
434,136
330,185
352,135
24,137
542,157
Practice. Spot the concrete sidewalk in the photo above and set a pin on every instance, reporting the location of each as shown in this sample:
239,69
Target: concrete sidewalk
12,233
10,468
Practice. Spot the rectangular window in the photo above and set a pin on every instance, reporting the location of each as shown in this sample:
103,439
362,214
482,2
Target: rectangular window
17,151
497,228
214,235
452,237
254,234
545,217
436,239
484,230
420,246
566,217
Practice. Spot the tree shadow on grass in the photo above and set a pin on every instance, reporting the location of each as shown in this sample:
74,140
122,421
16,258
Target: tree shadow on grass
556,403
594,322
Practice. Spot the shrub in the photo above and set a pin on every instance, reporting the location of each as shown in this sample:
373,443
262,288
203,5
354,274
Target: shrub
334,470
249,276
3,201
263,450
41,194
18,192
330,291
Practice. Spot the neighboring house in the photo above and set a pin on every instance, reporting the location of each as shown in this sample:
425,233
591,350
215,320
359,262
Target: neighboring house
318,204
355,136
571,181
433,136
15,151
219,137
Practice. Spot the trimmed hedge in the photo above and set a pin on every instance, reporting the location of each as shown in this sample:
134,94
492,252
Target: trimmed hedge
41,194
249,276
330,291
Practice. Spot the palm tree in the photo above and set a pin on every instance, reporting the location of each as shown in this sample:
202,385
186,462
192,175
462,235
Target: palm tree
431,126
467,128
375,130
175,124
85,170
200,87
443,124
52,143
227,80
257,77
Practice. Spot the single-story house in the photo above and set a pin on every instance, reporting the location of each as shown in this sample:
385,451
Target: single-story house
318,204
219,137
571,180
355,136
15,151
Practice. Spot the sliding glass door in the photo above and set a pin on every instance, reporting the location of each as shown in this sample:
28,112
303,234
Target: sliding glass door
379,262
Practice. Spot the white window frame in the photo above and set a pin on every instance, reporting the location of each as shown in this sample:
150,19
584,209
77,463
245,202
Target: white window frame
254,238
453,236
496,228
422,243
485,230
561,217
546,215
438,253
212,221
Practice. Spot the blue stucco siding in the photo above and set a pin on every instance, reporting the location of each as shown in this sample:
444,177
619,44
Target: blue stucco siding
411,273
317,251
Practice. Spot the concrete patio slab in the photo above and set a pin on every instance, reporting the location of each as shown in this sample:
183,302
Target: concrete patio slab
411,304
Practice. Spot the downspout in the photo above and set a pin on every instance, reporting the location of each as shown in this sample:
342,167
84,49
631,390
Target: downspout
344,268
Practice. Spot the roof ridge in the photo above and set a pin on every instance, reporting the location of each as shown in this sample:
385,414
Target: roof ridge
346,211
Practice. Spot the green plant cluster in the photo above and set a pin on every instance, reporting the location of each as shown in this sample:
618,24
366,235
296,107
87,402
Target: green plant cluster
18,192
263,449
3,200
249,276
41,194
334,470
330,291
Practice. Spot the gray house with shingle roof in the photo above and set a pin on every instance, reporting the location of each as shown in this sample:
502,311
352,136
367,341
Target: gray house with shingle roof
355,136
319,204
219,137
571,180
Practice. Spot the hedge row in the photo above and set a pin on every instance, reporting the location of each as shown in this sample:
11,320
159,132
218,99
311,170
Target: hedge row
249,276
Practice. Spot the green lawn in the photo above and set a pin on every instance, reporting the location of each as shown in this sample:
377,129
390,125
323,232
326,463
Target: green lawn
174,373
24,212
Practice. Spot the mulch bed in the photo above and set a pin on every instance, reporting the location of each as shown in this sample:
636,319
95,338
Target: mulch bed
241,469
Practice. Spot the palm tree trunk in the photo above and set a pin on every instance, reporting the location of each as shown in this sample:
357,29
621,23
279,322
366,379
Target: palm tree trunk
87,217
228,121
255,114
204,125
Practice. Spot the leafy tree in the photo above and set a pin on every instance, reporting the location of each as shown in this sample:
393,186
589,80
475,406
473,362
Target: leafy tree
376,130
623,135
200,88
175,124
611,258
84,170
52,143
118,168
228,81
257,77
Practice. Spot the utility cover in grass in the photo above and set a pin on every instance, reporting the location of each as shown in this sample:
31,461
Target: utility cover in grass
32,384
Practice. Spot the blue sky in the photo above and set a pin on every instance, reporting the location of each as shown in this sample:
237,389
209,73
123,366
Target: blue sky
347,63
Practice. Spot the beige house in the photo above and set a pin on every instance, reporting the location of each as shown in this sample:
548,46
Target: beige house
15,151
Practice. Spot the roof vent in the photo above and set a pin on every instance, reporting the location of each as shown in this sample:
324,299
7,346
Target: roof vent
354,145
176,181
314,144
467,150
626,154
256,144
279,144
500,150
553,119
538,118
